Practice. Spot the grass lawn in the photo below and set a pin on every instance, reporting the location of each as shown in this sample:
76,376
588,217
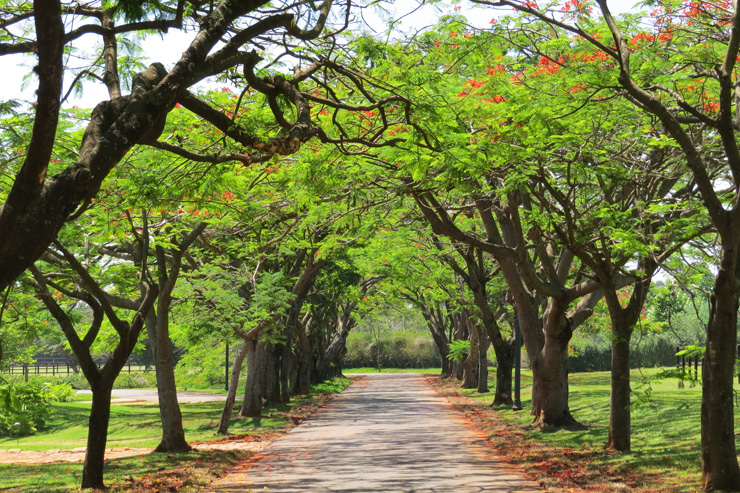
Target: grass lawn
665,454
137,426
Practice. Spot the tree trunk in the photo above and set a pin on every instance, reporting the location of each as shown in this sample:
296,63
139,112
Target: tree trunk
461,333
273,369
446,367
223,425
331,364
470,374
254,388
286,362
504,368
619,415
483,344
550,371
173,434
304,361
720,469
97,435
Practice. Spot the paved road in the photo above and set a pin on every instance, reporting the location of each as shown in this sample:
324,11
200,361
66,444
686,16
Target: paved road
387,433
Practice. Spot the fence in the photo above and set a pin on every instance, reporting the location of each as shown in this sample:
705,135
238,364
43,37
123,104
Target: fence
697,361
53,367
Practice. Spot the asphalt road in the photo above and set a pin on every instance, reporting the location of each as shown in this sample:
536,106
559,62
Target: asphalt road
387,433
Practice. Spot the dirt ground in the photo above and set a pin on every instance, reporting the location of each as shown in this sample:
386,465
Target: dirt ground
18,456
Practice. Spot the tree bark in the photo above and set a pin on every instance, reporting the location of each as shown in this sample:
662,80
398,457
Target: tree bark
236,369
158,330
303,382
504,369
483,344
462,332
97,435
173,433
470,366
331,362
254,388
720,469
550,371
619,415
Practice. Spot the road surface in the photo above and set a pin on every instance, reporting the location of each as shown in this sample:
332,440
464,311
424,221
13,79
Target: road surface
386,433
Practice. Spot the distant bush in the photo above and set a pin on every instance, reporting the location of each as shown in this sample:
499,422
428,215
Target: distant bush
76,381
646,353
24,408
396,349
135,380
59,392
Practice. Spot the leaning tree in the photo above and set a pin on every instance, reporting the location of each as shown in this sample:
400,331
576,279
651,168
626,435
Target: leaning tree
40,196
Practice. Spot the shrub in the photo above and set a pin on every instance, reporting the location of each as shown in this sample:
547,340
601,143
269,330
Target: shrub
459,351
76,381
395,349
59,392
649,352
24,408
135,380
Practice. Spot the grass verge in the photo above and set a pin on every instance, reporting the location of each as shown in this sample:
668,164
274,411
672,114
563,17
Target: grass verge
665,454
137,425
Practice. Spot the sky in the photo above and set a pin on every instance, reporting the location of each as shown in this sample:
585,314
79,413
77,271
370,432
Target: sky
168,50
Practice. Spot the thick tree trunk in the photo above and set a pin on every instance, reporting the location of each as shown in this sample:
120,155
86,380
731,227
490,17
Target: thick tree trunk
504,369
720,469
331,361
619,415
446,367
101,380
97,435
273,369
550,371
223,425
254,388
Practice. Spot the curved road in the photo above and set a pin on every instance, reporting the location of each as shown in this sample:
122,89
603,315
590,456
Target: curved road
386,433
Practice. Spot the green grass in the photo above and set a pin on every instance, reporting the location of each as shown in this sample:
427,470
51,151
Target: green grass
665,424
138,426
132,425
151,472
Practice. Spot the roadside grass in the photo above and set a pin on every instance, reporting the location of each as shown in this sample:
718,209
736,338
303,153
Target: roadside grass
138,426
185,473
665,455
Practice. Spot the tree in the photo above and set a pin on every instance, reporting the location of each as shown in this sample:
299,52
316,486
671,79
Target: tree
84,288
694,49
37,206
